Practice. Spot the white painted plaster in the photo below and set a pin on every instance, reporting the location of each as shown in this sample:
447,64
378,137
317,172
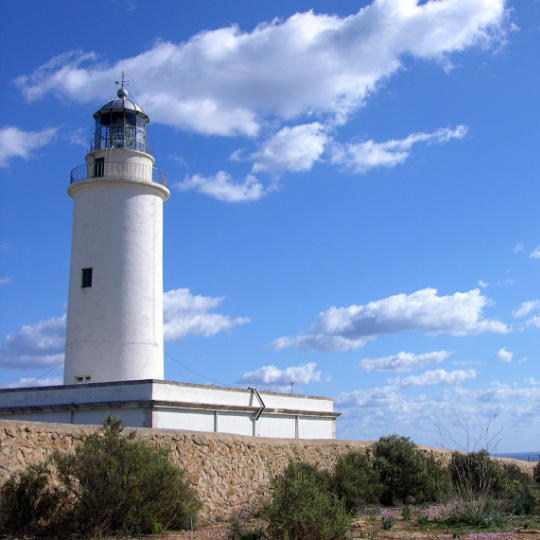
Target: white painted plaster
171,405
115,327
276,426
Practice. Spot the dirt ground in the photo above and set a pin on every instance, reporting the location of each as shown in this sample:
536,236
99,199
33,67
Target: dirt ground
368,526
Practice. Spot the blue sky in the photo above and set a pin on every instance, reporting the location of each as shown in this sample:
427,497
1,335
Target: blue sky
354,199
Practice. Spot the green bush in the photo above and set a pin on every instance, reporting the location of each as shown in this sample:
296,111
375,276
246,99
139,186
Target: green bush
356,481
536,473
479,511
111,483
406,474
523,501
303,506
475,474
28,503
122,485
242,529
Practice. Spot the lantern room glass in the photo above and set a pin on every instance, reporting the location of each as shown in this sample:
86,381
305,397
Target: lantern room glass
120,129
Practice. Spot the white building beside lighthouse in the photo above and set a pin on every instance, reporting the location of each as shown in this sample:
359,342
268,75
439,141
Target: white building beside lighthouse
115,305
114,340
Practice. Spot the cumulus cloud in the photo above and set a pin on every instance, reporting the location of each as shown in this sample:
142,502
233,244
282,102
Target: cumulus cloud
347,328
223,187
435,377
26,382
291,149
403,361
525,308
228,81
463,415
535,253
503,355
360,157
500,392
481,283
37,345
280,380
534,321
518,248
15,142
187,314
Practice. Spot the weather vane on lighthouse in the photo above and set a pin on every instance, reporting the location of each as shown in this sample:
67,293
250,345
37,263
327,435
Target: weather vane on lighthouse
124,83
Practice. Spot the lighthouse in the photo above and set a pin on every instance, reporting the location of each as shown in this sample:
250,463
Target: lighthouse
115,303
114,338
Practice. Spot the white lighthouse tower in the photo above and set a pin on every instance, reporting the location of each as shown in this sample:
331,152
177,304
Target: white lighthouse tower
115,305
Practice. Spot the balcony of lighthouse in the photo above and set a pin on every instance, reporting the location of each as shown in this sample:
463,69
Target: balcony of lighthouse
103,169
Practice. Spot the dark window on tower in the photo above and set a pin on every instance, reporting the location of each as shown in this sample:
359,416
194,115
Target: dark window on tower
99,166
86,277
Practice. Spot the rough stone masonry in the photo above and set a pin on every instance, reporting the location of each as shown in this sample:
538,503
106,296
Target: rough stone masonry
229,472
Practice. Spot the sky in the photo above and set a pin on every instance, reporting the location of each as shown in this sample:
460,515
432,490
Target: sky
354,199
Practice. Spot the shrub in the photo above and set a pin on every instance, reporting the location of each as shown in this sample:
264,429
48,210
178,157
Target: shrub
122,485
476,474
303,506
405,473
28,503
241,529
523,501
438,484
112,483
356,481
481,512
536,473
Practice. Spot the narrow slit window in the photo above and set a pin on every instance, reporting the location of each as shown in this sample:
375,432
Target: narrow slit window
99,167
86,278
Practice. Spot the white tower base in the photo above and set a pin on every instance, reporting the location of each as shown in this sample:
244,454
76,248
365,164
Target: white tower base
173,405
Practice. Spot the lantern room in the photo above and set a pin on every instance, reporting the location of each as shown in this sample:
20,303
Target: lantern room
121,123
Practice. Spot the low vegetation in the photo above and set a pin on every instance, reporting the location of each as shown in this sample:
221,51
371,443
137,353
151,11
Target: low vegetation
111,484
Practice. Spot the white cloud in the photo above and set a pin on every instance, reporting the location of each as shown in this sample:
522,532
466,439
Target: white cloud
535,253
518,248
291,149
403,361
534,321
346,328
26,382
221,186
228,82
435,377
503,355
499,392
526,308
452,416
187,314
15,142
481,283
5,280
280,380
360,157
38,345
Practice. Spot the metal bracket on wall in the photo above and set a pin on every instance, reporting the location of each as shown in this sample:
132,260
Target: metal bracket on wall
254,391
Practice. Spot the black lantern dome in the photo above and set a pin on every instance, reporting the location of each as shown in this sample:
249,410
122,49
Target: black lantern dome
121,123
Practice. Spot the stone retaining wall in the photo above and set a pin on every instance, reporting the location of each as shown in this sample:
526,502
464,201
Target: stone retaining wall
229,472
